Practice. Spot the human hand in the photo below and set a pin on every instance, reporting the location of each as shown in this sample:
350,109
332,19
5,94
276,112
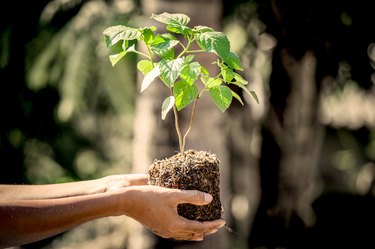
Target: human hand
156,208
115,182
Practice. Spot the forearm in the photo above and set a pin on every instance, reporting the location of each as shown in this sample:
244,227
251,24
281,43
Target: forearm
50,191
61,190
25,221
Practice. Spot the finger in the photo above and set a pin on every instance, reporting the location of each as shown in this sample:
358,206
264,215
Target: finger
182,235
193,197
212,226
215,224
190,237
197,227
138,179
196,237
210,232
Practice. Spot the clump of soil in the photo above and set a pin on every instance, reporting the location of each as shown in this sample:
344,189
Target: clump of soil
191,170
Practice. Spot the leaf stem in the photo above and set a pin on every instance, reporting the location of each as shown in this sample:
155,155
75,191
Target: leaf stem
149,54
140,53
196,51
182,45
190,125
186,49
177,125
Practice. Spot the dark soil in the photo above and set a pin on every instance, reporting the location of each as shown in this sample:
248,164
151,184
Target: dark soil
192,170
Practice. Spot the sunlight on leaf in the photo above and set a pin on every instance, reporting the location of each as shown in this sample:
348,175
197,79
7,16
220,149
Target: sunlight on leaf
190,72
174,22
251,93
170,70
149,78
119,32
215,42
114,58
144,66
167,106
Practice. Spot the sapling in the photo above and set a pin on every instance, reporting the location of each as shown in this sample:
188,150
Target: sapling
170,56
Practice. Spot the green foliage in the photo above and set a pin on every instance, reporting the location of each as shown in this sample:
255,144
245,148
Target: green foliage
178,70
171,67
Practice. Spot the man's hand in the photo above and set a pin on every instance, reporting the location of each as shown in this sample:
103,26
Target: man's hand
156,208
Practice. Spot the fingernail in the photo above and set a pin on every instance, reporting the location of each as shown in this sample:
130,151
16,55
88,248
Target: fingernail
207,197
198,239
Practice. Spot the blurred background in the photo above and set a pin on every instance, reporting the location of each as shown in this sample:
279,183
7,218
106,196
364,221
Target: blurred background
297,169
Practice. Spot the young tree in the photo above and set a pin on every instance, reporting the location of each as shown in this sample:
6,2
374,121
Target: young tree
155,138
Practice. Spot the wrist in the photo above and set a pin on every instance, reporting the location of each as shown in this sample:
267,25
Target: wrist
130,201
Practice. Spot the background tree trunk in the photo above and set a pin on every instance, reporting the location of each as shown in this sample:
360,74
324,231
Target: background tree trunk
292,137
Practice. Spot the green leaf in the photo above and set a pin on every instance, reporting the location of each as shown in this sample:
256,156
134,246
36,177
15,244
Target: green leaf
237,97
239,79
176,23
202,29
163,38
128,46
204,71
167,18
144,66
233,61
117,33
117,57
255,96
222,96
213,82
251,93
227,74
241,82
167,106
170,70
162,46
214,41
190,71
184,94
114,58
189,58
149,78
148,34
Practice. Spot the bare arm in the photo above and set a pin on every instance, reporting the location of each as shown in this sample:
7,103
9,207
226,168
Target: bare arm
69,189
25,221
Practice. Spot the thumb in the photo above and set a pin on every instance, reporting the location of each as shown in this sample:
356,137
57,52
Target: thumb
194,197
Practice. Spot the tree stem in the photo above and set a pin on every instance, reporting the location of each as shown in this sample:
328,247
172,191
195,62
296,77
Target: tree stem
177,125
191,119
190,124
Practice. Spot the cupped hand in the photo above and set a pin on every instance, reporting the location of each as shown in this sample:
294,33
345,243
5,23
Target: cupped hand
156,208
